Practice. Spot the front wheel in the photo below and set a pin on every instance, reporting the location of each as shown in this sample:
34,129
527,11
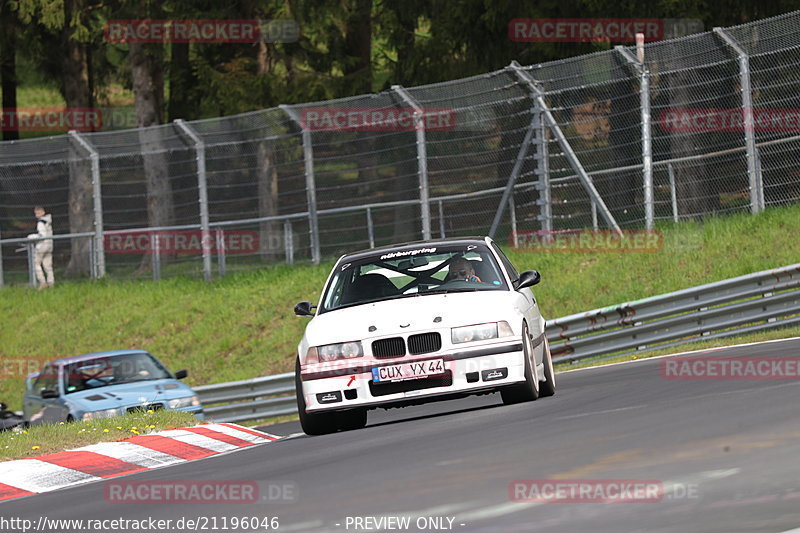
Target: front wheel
312,423
528,390
352,419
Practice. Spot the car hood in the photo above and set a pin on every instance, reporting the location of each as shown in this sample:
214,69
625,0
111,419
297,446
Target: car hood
411,314
128,394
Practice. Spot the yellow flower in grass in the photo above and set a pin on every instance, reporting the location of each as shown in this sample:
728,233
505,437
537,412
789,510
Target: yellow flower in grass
35,447
105,431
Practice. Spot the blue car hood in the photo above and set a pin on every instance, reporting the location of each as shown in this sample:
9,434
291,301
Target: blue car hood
129,394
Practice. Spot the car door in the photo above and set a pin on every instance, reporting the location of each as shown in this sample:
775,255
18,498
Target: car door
39,410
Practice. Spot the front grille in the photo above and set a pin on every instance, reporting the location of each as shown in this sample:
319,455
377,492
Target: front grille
392,347
145,408
393,387
424,343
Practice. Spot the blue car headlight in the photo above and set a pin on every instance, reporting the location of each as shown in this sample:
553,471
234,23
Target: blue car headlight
105,413
188,401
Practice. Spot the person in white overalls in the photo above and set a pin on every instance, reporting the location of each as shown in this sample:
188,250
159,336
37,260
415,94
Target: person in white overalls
43,250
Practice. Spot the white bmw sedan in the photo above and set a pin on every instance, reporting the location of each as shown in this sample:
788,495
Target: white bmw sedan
419,322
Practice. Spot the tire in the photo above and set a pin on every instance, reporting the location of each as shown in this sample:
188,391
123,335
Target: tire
312,424
527,391
350,420
548,386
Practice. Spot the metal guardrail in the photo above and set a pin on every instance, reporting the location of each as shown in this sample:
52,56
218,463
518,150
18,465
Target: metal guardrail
735,306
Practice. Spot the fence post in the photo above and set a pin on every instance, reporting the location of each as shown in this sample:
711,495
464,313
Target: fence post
441,220
220,241
155,241
288,242
569,153
755,180
31,267
2,281
647,138
311,187
99,256
673,193
543,173
512,179
370,228
202,190
422,160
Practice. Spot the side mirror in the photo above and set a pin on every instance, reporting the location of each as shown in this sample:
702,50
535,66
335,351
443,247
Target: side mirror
49,393
529,278
180,374
304,309
3,406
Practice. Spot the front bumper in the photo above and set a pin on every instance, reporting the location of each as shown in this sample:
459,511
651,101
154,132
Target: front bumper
468,371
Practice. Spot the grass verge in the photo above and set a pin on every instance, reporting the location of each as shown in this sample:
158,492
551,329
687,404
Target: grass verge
40,440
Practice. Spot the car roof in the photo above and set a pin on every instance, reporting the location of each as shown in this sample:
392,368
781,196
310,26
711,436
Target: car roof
93,355
354,256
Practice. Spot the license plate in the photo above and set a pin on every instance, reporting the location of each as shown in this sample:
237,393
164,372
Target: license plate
404,371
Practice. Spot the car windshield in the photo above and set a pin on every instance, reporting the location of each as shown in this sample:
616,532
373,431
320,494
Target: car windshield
434,269
112,370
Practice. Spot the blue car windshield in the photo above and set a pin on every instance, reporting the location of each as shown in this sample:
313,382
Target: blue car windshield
404,273
112,370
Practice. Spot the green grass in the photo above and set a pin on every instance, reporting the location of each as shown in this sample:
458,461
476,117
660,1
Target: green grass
243,325
40,440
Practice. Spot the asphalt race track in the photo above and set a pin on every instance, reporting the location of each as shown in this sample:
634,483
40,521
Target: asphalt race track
727,453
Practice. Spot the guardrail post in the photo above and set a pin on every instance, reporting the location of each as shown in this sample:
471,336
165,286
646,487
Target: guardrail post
673,192
422,160
647,139
99,257
311,187
569,153
202,190
755,178
288,241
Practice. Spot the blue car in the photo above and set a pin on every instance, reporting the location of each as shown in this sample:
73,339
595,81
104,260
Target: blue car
104,384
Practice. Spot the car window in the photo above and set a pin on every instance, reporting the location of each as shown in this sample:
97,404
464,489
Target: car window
412,272
48,379
509,266
112,370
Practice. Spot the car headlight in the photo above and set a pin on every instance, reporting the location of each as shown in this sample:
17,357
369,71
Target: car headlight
94,415
332,352
179,403
481,332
